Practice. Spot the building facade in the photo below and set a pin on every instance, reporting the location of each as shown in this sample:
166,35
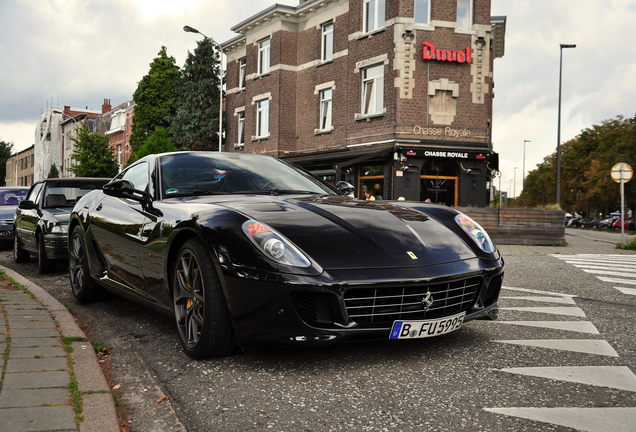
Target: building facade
393,96
116,124
20,168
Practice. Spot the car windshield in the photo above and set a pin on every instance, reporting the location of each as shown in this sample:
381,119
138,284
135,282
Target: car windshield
185,174
12,197
66,194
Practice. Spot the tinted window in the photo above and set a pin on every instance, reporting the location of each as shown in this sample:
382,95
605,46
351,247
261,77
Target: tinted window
12,197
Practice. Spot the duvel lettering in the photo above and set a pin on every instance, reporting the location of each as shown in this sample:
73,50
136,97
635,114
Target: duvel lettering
430,53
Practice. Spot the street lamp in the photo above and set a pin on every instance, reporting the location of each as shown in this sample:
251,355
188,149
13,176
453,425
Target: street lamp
523,184
189,29
558,179
514,184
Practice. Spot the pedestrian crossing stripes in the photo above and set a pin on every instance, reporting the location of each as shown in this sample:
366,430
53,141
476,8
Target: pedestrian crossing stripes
614,269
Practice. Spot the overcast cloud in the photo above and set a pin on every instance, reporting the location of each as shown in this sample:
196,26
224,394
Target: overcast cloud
77,53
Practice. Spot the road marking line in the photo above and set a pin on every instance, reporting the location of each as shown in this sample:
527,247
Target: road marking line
562,300
611,280
568,311
586,346
537,291
617,377
575,326
628,291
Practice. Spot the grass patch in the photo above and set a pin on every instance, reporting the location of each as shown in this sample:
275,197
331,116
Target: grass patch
627,246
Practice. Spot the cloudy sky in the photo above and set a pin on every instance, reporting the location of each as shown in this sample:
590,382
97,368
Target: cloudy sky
78,52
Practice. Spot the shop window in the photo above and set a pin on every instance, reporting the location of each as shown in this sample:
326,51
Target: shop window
439,182
263,56
373,89
371,178
327,41
242,72
241,127
262,118
422,11
373,15
464,14
325,109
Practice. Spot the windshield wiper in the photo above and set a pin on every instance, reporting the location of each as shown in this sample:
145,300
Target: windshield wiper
276,192
195,193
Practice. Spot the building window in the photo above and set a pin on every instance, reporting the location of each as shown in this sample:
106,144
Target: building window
327,41
325,109
464,14
422,11
242,70
120,154
241,127
263,56
262,118
373,15
373,89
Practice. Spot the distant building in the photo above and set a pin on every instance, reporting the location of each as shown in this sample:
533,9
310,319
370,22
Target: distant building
116,124
20,168
393,96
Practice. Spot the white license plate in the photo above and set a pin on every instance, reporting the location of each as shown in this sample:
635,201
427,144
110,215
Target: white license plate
426,328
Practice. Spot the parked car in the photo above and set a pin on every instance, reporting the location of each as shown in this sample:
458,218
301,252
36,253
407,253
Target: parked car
10,197
248,250
616,226
630,225
607,223
574,222
41,220
589,223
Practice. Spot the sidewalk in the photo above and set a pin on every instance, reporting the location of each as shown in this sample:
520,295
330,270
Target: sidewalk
578,242
43,384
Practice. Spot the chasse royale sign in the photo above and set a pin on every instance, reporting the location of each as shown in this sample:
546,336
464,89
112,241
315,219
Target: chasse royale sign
430,53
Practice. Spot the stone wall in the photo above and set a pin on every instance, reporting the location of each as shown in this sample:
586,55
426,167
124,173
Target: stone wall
520,226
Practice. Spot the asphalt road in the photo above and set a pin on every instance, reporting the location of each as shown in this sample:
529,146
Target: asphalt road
518,374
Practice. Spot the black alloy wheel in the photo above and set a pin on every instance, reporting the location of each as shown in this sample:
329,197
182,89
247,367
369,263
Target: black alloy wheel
45,265
85,289
200,308
19,254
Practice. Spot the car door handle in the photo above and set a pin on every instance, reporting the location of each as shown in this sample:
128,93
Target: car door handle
99,207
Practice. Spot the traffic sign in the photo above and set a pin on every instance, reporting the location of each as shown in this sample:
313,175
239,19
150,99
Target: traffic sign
625,168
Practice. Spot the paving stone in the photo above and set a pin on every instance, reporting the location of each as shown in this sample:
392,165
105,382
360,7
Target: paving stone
56,351
33,324
37,364
33,332
30,380
38,419
34,342
33,397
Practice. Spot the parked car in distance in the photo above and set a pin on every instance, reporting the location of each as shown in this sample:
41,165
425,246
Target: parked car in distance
630,226
10,197
616,226
574,222
41,220
607,223
248,250
589,223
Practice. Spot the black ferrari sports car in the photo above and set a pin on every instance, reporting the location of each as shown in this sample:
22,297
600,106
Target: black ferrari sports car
248,250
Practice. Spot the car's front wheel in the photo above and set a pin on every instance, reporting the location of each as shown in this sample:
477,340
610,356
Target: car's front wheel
200,308
45,265
85,289
19,254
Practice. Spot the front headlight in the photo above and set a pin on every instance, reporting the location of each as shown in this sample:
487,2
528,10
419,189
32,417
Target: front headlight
59,229
273,245
476,232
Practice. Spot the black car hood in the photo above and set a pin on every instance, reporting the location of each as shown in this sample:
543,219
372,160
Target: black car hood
60,215
339,232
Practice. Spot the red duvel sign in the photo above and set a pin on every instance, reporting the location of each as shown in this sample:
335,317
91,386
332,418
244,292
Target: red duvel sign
430,53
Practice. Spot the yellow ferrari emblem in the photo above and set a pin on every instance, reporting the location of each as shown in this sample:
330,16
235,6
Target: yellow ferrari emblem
412,255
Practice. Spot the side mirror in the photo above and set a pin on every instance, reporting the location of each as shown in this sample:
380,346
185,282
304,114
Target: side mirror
344,187
125,189
27,205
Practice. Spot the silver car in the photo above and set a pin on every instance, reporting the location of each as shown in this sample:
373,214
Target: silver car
10,197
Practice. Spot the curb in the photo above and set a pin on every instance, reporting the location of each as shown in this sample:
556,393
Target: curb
99,410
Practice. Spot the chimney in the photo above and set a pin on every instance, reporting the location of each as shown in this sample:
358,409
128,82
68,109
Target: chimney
106,106
67,110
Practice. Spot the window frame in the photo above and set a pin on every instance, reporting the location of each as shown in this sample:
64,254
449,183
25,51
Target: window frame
326,104
470,15
376,80
242,73
241,128
428,12
326,35
262,114
376,15
264,53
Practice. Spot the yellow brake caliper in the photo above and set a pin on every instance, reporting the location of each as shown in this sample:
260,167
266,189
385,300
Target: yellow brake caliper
190,301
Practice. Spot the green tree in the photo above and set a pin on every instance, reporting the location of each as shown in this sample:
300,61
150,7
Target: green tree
195,124
158,142
93,155
154,98
6,148
53,172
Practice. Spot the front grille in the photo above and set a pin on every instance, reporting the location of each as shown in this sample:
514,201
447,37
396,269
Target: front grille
380,306
314,308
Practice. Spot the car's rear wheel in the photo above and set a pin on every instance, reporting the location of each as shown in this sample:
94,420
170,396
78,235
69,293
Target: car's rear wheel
19,254
200,308
45,265
85,289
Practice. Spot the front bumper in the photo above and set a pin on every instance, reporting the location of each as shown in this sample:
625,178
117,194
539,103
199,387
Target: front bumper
349,305
56,246
6,231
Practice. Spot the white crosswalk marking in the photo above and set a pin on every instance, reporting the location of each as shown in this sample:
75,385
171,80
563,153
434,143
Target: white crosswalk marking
618,377
569,311
575,326
616,269
586,346
561,300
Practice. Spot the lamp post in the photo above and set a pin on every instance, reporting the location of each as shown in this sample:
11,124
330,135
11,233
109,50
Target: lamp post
189,29
558,179
523,184
514,184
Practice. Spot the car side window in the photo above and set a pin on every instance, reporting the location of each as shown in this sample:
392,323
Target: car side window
34,195
138,176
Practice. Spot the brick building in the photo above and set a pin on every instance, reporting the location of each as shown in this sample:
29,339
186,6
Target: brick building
20,168
393,96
